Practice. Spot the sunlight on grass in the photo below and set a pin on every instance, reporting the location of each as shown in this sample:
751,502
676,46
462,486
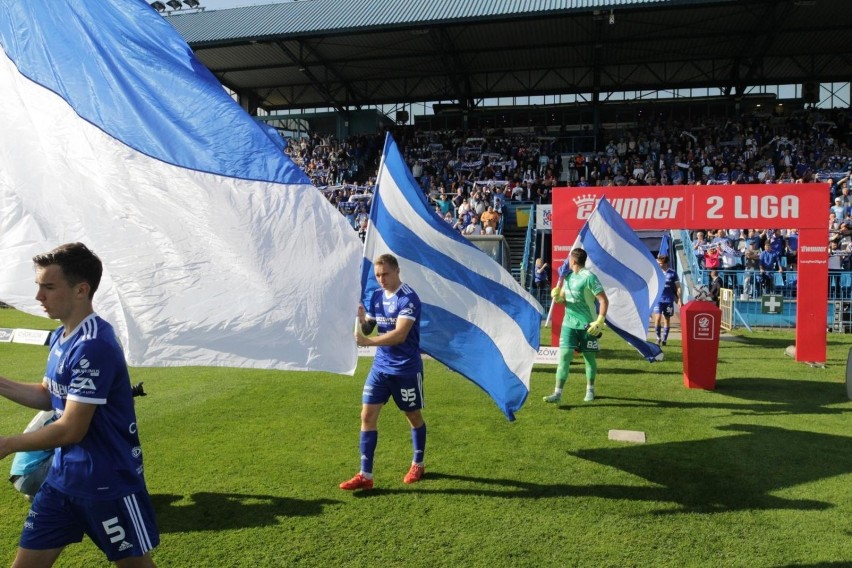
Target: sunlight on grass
243,466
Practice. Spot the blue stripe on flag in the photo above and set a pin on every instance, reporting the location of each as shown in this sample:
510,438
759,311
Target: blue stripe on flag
216,248
629,273
133,89
476,319
664,245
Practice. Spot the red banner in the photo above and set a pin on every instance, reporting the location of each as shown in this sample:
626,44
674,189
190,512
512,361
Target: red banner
801,206
769,206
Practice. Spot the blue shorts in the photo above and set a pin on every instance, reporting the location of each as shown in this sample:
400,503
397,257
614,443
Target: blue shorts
406,390
121,528
664,308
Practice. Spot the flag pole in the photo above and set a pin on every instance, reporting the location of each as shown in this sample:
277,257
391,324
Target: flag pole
553,303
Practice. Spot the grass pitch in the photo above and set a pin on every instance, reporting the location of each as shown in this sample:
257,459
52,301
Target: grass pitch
243,466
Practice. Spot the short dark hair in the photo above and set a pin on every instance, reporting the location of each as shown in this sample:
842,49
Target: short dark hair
77,262
663,257
579,256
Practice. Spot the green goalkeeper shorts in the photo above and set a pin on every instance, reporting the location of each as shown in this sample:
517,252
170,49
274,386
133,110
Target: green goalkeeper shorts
578,340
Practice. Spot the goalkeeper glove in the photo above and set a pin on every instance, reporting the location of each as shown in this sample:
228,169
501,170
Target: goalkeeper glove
557,296
596,328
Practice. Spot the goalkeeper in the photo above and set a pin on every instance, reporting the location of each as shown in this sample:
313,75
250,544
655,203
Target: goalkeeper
582,325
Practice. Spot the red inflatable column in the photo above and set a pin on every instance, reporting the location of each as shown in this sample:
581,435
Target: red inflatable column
700,325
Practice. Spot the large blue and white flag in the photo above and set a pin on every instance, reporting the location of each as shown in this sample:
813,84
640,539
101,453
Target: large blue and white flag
476,319
628,272
217,250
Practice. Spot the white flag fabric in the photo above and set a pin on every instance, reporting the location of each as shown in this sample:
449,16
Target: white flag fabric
216,248
475,318
628,272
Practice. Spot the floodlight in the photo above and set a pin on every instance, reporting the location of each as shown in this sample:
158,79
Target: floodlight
174,4
158,6
192,3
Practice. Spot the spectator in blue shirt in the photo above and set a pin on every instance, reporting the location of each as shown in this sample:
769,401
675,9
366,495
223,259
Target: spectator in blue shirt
768,262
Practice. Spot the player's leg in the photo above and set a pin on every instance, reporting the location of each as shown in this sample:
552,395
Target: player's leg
369,437
589,347
376,393
567,345
418,444
668,319
656,321
137,562
28,558
407,393
590,358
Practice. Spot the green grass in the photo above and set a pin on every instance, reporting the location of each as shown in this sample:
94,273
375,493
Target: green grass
243,466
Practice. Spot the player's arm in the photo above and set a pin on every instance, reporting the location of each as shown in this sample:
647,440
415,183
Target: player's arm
367,325
603,305
596,327
70,428
32,395
677,292
393,337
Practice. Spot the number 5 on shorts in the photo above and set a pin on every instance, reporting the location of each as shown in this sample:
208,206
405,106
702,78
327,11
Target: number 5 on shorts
113,529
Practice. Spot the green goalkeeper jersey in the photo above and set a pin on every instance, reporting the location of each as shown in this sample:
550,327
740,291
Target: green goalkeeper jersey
579,291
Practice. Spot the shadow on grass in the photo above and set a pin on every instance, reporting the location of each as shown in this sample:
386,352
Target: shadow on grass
730,473
776,396
222,511
763,341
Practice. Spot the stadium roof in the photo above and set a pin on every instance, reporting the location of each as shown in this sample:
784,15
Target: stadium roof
350,53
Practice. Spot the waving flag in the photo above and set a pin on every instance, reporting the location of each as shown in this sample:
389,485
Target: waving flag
665,245
216,248
629,273
475,318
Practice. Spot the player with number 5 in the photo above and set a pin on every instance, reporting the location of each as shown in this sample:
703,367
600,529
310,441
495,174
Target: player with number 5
397,369
96,484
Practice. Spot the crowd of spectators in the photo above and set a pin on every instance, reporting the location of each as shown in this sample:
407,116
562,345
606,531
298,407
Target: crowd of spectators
470,176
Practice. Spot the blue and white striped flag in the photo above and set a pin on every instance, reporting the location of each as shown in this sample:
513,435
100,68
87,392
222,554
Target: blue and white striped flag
475,318
216,248
629,273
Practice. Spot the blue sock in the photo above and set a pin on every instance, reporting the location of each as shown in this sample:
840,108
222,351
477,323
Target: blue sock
369,440
657,329
418,440
665,334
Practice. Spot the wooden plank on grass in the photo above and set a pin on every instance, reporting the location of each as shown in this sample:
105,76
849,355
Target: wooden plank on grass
627,436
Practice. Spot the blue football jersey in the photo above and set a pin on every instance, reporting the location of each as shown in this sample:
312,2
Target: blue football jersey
385,309
669,290
89,367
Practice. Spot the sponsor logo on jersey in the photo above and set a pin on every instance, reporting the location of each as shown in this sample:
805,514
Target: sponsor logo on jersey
82,383
56,389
